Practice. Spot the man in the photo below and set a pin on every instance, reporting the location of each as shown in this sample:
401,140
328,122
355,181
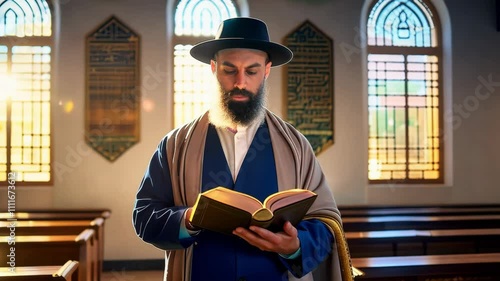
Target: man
241,145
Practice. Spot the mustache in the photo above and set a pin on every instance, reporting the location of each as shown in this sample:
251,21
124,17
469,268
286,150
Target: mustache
237,91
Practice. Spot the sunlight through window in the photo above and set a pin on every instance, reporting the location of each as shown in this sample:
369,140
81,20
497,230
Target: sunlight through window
195,21
404,93
25,68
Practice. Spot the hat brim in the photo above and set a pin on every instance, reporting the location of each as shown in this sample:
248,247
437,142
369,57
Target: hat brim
205,51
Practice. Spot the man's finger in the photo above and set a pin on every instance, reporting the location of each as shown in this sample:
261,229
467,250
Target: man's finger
289,229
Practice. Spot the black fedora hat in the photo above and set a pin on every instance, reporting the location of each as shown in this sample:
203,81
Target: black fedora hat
248,33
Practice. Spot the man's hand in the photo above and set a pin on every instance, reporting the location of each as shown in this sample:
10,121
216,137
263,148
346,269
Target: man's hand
286,242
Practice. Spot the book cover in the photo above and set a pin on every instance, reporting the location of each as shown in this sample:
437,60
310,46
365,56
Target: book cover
223,210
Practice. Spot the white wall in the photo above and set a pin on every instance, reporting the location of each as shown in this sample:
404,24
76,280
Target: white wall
85,179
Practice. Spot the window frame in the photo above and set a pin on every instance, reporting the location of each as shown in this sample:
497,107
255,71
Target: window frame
406,51
241,10
10,42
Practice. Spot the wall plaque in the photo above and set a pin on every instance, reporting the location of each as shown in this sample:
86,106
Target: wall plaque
309,84
112,102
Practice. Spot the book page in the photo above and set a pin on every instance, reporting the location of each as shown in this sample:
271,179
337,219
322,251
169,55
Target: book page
287,197
234,198
262,215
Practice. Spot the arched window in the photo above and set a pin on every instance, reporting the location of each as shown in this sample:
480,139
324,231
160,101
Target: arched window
195,21
25,82
405,103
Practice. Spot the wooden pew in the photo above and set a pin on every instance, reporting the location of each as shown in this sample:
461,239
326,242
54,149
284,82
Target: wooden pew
67,272
372,211
53,250
423,242
57,214
429,267
420,222
61,227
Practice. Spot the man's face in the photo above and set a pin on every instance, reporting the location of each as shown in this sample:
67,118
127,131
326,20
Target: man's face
241,74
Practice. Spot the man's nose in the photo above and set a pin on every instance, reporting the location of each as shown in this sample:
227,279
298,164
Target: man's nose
241,82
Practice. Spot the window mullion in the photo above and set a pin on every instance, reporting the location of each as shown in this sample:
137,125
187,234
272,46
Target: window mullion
8,102
25,41
407,120
8,129
398,50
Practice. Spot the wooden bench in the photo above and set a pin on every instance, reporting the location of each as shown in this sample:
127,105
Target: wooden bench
67,272
420,222
370,211
57,214
61,227
407,268
54,250
423,242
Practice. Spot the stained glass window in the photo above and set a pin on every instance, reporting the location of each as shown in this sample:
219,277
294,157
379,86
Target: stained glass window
405,23
195,21
25,76
404,93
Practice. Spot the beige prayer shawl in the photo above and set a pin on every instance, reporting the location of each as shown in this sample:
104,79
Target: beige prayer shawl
296,166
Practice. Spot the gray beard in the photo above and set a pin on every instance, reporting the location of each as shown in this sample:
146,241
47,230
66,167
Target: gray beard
225,112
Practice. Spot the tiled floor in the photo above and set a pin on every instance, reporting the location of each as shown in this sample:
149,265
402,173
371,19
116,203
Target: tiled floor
132,275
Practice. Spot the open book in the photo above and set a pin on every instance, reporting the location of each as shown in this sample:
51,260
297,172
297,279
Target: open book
222,210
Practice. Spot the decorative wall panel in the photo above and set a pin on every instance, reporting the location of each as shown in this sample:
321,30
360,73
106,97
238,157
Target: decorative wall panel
309,78
112,103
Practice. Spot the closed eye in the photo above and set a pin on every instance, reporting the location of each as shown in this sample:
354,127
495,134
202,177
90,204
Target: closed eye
229,71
